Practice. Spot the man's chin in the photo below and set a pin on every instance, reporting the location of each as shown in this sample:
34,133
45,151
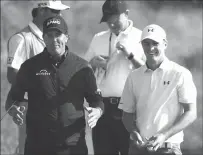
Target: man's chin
116,32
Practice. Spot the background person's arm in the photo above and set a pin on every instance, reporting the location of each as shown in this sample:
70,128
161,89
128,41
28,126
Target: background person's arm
16,56
93,57
130,55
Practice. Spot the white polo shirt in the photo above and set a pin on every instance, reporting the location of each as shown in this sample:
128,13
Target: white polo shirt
155,96
111,82
20,50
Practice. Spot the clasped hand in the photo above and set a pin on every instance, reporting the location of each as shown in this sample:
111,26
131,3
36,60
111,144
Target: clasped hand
152,143
17,112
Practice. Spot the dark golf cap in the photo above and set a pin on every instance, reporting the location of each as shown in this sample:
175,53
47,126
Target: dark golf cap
56,23
113,7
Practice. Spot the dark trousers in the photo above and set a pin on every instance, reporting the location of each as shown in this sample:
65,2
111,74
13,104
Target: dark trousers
37,146
134,150
109,135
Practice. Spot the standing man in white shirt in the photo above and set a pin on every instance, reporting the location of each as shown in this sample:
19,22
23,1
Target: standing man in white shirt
113,54
27,43
159,99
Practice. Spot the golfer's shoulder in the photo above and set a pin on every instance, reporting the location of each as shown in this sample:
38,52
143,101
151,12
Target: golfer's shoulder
180,70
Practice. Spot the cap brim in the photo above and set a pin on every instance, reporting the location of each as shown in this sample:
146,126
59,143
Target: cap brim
59,7
105,18
53,28
152,37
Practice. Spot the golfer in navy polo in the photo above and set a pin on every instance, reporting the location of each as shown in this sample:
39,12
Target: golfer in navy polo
57,81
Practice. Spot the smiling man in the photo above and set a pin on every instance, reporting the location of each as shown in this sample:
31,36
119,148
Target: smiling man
57,81
159,99
25,44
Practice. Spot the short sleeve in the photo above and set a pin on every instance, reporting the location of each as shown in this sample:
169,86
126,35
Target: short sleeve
91,50
187,92
128,100
16,51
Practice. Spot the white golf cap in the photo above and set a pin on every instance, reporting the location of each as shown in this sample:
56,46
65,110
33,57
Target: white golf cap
154,32
52,4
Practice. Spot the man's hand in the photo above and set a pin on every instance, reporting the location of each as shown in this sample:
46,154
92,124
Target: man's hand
128,54
121,46
17,112
93,116
99,61
136,137
156,141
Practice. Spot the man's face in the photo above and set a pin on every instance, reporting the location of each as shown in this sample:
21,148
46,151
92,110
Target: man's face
55,42
117,23
153,50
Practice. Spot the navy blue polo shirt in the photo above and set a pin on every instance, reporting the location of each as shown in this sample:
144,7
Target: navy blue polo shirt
56,91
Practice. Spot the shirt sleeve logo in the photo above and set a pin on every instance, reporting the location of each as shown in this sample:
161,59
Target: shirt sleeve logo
43,72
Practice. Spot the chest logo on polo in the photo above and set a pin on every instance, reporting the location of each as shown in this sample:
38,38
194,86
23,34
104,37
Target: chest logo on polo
166,82
43,72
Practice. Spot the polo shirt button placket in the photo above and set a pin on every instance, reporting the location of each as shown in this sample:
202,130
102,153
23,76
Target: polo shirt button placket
154,80
151,74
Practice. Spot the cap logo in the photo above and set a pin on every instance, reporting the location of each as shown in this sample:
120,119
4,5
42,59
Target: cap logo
150,30
54,21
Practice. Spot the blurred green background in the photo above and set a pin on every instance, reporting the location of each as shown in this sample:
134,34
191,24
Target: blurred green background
181,20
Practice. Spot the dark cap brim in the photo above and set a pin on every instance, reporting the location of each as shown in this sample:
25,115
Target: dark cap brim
105,18
55,28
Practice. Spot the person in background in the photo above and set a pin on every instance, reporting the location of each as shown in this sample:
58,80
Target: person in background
57,81
113,54
159,99
25,44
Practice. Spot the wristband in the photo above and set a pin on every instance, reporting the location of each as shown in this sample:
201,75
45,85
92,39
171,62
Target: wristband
130,57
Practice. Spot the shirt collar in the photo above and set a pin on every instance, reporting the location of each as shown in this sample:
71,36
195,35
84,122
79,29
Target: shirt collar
36,30
164,65
127,31
129,28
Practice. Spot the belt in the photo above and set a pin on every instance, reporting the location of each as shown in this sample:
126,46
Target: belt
167,145
112,100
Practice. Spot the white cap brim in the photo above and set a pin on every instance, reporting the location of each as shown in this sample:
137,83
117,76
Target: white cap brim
155,38
59,7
